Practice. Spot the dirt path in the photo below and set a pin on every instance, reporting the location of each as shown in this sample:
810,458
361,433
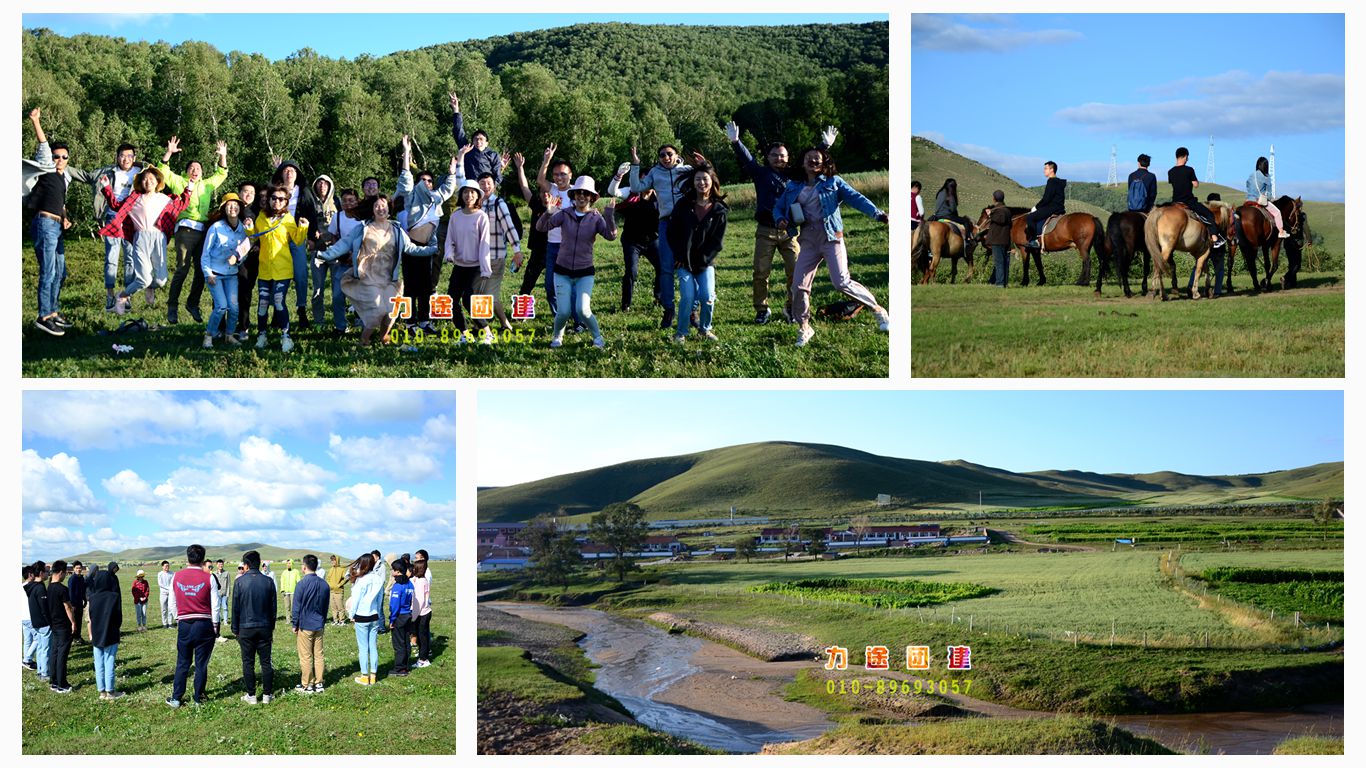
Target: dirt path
1011,538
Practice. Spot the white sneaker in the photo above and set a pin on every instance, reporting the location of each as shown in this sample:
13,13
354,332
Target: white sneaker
884,321
248,698
261,341
680,339
266,699
286,345
600,342
1284,234
804,336
557,341
208,341
486,337
232,340
423,663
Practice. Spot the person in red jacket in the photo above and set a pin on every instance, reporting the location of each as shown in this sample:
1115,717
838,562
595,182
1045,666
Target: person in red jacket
196,596
141,591
147,219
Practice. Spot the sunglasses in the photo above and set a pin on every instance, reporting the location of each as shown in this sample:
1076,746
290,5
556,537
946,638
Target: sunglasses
666,155
60,157
280,199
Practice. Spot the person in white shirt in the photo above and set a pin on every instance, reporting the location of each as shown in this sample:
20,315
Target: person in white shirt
167,596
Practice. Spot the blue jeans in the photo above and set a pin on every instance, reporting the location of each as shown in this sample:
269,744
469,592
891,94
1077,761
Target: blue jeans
1001,265
1218,262
44,638
700,287
578,295
325,272
666,267
30,640
194,637
104,667
299,254
551,251
271,293
49,243
367,636
114,247
141,610
224,293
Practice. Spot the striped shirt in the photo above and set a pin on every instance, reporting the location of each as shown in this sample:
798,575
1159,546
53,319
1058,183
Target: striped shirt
502,231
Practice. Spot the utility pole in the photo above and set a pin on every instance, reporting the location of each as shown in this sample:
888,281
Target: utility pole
1272,167
1209,162
1113,179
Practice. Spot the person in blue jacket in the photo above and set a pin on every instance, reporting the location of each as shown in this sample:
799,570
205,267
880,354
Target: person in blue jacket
400,614
809,208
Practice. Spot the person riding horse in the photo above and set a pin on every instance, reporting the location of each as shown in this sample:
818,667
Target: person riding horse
1142,187
1259,190
917,206
946,207
1183,181
1053,203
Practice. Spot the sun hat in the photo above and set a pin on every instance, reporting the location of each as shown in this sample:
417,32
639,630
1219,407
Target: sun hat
584,184
152,169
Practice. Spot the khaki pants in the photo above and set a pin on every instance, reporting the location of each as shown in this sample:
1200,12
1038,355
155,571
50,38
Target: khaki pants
310,644
338,605
768,242
491,286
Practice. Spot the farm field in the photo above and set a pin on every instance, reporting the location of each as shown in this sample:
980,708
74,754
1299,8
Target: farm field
636,346
1189,529
396,716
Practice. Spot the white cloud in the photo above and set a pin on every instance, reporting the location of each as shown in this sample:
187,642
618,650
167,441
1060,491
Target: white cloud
127,485
947,32
1232,104
363,512
399,457
55,492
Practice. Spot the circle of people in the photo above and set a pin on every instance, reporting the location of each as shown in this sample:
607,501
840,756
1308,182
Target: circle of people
1141,197
380,252
203,599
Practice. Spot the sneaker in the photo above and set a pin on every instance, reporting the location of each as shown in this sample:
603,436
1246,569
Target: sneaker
172,318
486,337
680,339
600,342
108,303
48,325
423,663
1284,235
261,341
248,698
208,341
363,680
558,341
59,689
194,312
668,320
318,688
303,689
709,336
399,673
286,344
884,321
761,317
1032,244
62,322
267,698
172,703
122,304
111,695
804,336
232,340
222,640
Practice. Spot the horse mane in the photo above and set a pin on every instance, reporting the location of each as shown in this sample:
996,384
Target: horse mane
1287,199
1016,210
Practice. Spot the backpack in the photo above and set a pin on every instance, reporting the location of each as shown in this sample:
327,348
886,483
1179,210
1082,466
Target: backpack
516,219
841,310
1138,195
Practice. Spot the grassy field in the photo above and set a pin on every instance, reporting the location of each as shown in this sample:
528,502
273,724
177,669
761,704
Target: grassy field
1062,330
637,347
1042,642
1184,530
412,715
1064,735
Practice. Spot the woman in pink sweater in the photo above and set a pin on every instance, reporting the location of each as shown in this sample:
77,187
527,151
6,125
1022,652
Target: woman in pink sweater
467,248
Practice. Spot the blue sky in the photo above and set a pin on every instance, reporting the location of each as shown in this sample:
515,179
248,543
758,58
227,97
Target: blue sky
349,35
344,472
1014,90
1109,431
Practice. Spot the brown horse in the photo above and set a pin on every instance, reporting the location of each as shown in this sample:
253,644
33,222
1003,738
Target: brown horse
1079,230
937,239
1172,228
1256,233
1224,221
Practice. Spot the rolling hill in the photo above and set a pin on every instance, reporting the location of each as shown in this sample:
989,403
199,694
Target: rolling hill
230,553
783,477
932,163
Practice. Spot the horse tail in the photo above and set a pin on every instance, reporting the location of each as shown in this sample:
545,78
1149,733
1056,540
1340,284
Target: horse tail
1102,238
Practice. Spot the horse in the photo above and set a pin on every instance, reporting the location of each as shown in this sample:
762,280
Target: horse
1224,221
1080,230
940,239
1256,233
1124,231
1173,228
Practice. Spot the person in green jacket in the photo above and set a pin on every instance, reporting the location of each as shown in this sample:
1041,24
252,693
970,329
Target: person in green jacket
192,224
289,579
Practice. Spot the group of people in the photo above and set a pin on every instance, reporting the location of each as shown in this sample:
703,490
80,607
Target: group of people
371,248
201,599
1141,197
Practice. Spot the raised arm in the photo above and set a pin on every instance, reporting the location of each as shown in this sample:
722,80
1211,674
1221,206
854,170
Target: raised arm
519,163
35,116
458,123
405,174
541,181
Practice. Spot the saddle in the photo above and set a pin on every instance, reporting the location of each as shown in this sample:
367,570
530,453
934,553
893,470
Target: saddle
1260,209
1050,224
962,231
1191,213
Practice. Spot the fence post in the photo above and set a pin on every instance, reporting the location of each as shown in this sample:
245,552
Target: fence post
1297,619
1112,633
1145,639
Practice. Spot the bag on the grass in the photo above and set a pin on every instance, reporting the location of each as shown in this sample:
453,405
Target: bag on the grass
841,310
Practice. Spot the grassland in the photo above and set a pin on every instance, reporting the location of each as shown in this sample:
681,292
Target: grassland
1064,331
637,347
879,593
1311,745
1194,529
1064,735
400,715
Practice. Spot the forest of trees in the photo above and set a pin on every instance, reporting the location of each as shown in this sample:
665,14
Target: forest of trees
642,84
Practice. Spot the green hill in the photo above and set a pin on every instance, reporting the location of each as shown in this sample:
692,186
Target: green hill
230,553
783,477
931,164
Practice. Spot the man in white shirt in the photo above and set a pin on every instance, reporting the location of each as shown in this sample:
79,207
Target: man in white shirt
167,596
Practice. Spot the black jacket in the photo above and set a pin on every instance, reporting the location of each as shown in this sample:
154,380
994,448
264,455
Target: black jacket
1054,197
696,244
254,601
106,609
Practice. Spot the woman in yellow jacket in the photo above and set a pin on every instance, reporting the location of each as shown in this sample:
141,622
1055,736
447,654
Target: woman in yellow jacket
275,229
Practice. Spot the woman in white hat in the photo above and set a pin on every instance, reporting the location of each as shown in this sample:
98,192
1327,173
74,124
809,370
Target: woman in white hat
574,271
467,249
